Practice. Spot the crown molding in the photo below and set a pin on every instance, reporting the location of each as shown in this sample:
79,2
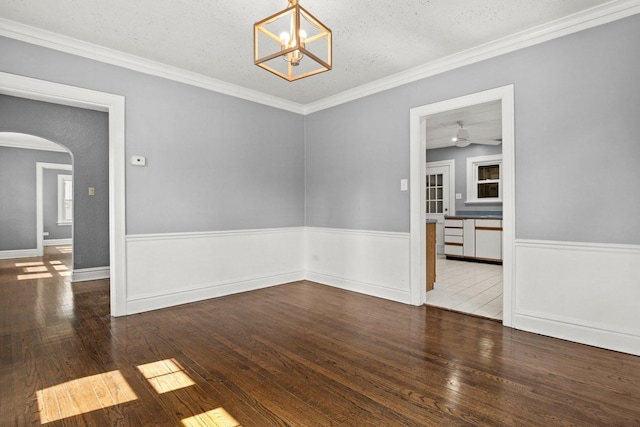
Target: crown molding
599,15
37,36
608,12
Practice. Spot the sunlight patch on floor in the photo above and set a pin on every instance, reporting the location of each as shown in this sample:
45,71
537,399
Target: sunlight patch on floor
215,418
165,375
28,264
34,276
83,395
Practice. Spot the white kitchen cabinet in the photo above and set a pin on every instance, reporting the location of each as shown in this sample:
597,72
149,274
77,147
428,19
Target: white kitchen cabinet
473,238
453,238
488,239
469,236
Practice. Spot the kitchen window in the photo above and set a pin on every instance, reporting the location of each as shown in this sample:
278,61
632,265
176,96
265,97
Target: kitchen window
484,179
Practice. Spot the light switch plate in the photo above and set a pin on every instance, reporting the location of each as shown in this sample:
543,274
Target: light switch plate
404,184
92,191
458,196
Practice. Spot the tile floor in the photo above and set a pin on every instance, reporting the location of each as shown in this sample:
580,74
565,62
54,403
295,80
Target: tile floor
469,287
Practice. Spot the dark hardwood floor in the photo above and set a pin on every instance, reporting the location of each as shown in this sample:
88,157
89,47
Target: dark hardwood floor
300,354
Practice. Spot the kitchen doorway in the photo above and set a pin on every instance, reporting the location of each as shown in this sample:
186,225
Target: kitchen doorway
469,230
503,97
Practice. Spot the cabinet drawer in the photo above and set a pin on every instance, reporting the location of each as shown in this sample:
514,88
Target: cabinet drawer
453,231
453,223
491,223
453,239
452,250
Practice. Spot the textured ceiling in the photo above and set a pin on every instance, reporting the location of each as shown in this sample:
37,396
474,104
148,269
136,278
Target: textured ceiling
372,39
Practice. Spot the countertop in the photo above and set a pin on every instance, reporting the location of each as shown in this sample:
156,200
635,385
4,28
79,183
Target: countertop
474,217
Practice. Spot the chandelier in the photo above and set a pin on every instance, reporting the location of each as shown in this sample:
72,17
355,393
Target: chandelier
292,44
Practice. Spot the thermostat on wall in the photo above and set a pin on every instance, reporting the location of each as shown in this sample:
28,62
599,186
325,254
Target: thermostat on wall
138,161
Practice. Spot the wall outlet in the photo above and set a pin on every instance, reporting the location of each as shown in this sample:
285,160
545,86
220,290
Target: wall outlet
458,196
92,191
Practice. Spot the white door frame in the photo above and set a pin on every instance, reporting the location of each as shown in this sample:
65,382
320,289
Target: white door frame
114,105
417,148
40,167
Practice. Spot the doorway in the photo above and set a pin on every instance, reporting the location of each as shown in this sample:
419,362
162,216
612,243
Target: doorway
471,232
41,90
418,188
42,207
440,192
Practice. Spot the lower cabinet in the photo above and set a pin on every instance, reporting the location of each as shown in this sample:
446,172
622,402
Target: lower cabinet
468,238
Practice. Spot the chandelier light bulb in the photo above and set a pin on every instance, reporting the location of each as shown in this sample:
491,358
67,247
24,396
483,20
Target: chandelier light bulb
284,38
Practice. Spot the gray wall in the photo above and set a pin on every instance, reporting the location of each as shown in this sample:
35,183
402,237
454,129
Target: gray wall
85,133
50,205
577,102
459,155
214,162
18,195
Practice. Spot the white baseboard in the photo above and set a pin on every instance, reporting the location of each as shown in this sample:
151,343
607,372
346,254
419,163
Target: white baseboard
370,262
86,274
19,253
57,242
177,268
582,292
207,291
360,287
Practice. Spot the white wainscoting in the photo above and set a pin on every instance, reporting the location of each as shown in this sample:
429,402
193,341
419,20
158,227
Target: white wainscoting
19,253
582,292
57,242
370,262
169,269
92,273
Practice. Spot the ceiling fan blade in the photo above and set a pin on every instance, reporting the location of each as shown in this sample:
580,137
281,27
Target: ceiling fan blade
487,141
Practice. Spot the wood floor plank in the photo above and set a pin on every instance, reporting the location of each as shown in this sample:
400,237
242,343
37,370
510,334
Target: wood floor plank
300,354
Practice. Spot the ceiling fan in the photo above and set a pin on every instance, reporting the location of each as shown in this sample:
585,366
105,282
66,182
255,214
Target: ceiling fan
462,138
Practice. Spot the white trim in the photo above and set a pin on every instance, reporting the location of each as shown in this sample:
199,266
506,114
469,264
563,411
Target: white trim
417,195
583,20
29,142
19,253
207,291
197,266
472,169
61,193
40,167
359,287
370,233
40,37
57,242
41,90
579,246
586,292
375,263
86,274
206,234
589,18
